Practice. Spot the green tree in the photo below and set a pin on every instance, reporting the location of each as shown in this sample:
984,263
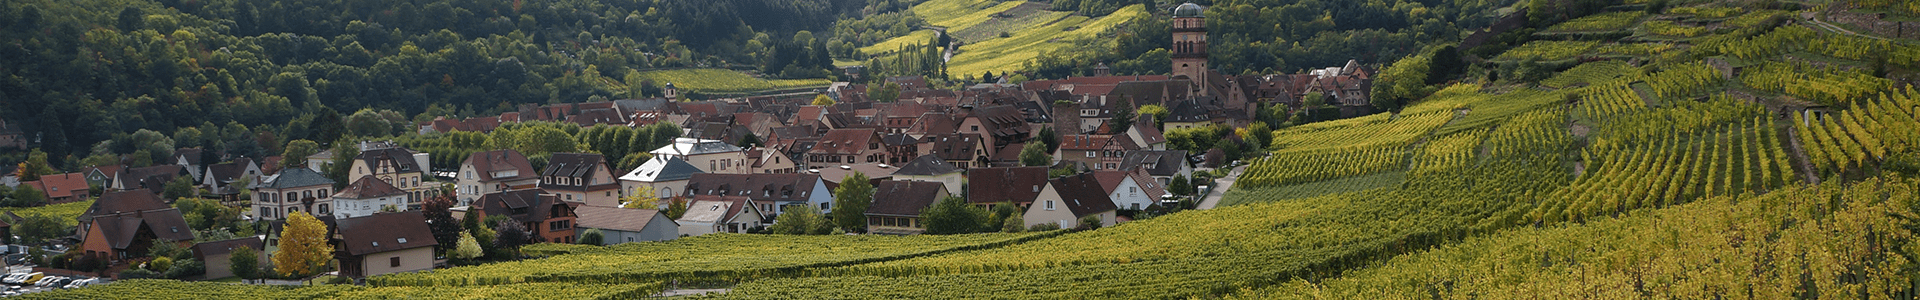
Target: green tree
439,214
953,215
850,202
1035,155
304,250
801,220
822,100
468,247
750,140
244,262
1089,223
296,152
1180,186
180,187
38,228
886,93
368,123
35,165
131,19
1122,116
1001,212
160,264
509,235
342,164
1048,137
1158,112
593,236
26,196
676,208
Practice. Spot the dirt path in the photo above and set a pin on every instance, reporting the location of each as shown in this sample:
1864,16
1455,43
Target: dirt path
691,292
1815,19
1801,164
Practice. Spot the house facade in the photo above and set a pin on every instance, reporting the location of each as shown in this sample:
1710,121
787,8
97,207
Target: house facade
1132,189
549,218
931,169
666,176
216,255
115,237
61,188
1067,199
848,146
581,178
897,206
771,193
384,243
399,167
296,189
709,214
711,156
364,197
492,172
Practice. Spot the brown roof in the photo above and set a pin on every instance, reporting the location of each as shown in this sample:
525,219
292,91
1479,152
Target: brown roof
935,123
230,171
402,158
123,202
120,230
1085,142
384,232
488,162
368,187
61,185
1083,194
1002,120
614,218
699,209
904,198
1017,184
759,187
533,205
845,141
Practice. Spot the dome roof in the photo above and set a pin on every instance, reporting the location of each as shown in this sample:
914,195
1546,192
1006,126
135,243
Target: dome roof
1189,10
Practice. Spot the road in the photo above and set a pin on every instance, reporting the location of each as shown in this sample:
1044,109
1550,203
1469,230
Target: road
1213,199
691,292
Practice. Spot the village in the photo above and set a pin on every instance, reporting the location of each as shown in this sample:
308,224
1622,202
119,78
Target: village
1079,152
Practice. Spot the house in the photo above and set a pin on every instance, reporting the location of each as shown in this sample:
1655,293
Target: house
102,176
399,167
772,193
666,176
1163,165
320,161
581,178
191,158
116,203
1065,200
216,255
1132,189
296,189
835,176
491,172
364,197
1144,135
962,150
11,136
128,234
931,169
384,243
270,165
61,188
897,206
1017,185
999,124
276,227
221,179
711,156
626,225
715,214
770,161
153,179
1098,152
847,146
549,218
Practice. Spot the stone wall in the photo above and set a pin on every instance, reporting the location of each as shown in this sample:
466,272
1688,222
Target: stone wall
1874,24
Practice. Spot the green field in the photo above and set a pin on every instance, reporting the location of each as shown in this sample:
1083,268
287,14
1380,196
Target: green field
157,289
725,81
65,212
1006,54
1032,32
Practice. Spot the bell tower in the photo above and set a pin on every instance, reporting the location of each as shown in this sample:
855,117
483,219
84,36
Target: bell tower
1189,51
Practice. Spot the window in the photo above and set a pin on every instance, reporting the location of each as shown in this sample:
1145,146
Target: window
324,194
1090,154
976,127
324,210
824,205
1049,204
394,261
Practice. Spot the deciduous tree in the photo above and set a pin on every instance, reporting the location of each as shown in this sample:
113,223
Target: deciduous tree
296,152
850,202
953,215
1035,155
244,262
304,250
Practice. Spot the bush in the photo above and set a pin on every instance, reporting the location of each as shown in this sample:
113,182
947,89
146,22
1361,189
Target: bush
160,265
592,237
136,273
1049,226
1089,223
339,280
185,268
1013,224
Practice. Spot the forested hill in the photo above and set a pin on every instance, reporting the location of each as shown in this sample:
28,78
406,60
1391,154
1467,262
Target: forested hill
85,71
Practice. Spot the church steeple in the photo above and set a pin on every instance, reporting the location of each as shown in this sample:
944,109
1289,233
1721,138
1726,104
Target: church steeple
1190,43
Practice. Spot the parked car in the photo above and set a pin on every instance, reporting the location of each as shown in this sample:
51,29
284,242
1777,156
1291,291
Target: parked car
30,278
82,283
13,278
44,281
55,282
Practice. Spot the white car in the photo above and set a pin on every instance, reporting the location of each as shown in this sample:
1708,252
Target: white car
44,281
82,283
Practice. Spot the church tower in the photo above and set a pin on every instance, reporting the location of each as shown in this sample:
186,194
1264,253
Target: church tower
1190,43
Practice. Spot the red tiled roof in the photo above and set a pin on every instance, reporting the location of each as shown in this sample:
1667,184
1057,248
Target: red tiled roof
845,141
1017,185
61,185
487,162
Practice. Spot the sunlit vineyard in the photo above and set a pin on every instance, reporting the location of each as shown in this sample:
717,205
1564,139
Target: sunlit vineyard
1365,132
1449,152
153,289
704,258
1754,18
1705,12
1668,28
1782,245
1830,86
1710,149
1682,80
1591,73
65,212
1548,50
1241,195
1600,22
1862,135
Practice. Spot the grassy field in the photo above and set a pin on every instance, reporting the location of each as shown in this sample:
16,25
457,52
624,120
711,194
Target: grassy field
919,37
724,81
1315,189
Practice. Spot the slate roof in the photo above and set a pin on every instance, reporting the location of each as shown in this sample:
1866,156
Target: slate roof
955,146
295,177
659,170
904,198
402,158
383,232
1083,194
614,218
1016,184
1187,112
487,162
926,165
690,146
573,164
714,209
192,155
227,172
535,201
368,187
153,178
1165,162
204,250
121,229
1002,120
759,187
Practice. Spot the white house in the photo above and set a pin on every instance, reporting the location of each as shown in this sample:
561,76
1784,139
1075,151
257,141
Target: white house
711,156
714,214
667,176
366,196
1067,199
772,193
1130,190
625,225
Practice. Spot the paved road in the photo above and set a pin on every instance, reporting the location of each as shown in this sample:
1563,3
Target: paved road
1213,199
691,292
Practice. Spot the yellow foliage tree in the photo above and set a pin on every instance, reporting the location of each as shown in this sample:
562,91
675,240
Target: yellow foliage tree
642,197
822,100
303,246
